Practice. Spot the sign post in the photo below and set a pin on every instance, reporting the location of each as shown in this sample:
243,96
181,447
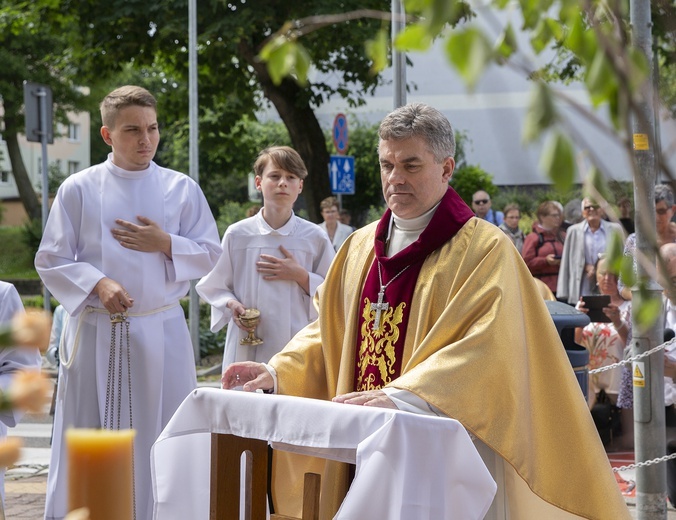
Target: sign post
341,167
39,110
341,170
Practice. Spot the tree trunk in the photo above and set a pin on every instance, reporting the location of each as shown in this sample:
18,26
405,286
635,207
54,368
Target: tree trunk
27,194
306,134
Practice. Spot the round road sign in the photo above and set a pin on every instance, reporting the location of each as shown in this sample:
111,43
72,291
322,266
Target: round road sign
340,133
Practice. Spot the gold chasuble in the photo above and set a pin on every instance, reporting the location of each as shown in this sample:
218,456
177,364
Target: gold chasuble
478,344
388,291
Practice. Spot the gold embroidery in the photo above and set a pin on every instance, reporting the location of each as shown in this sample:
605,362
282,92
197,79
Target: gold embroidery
376,347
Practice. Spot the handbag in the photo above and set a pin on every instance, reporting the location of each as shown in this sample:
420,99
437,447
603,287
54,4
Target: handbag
606,418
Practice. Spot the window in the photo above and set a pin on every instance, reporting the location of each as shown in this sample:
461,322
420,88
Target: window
73,167
4,176
74,132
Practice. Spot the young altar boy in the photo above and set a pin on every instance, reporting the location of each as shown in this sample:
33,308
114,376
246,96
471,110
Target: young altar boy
273,262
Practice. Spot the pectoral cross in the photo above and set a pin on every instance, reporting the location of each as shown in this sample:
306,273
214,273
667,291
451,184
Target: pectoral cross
379,307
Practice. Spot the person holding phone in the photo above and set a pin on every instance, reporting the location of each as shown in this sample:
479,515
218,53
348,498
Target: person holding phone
542,249
607,339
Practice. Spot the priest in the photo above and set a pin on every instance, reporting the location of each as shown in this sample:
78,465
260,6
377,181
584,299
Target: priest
433,311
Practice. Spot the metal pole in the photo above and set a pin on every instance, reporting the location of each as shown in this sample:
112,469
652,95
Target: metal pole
194,307
44,136
649,426
398,57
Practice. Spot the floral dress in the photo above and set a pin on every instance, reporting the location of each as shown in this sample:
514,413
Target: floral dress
606,347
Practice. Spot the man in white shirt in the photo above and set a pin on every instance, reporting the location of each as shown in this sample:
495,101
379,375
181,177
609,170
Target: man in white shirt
584,243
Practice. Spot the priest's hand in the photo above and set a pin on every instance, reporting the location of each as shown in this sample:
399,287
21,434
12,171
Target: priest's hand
113,296
273,268
148,237
376,398
248,374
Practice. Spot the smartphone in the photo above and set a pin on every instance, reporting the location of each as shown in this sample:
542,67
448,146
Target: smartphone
595,305
557,257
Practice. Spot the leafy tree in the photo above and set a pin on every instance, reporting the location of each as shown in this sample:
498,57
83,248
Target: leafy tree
232,79
33,47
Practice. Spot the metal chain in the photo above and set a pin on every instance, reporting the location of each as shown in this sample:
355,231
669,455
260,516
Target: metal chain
632,359
115,384
119,374
108,415
626,362
645,463
131,424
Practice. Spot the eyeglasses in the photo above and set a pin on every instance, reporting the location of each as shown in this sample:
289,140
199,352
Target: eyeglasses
591,207
481,202
662,211
557,215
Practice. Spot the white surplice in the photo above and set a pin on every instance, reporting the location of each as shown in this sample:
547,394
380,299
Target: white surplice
11,360
284,305
77,250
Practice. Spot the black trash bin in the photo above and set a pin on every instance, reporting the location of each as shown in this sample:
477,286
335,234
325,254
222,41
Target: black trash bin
566,318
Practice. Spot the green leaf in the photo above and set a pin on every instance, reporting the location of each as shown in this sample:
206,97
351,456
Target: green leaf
600,79
412,38
558,161
416,6
285,58
639,68
541,113
376,51
647,313
302,64
580,40
615,251
469,51
442,12
596,179
506,44
627,271
543,34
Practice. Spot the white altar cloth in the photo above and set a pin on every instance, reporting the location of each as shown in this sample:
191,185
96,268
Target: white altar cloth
408,466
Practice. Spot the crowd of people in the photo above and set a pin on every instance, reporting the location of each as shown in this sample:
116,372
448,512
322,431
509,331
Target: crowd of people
416,311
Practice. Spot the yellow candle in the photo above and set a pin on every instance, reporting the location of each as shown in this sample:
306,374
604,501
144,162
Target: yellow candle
100,472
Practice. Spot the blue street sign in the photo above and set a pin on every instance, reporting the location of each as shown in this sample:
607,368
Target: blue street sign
341,172
340,134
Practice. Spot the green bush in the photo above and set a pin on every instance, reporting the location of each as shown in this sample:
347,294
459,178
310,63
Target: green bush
231,212
32,235
16,258
210,342
374,213
469,179
38,301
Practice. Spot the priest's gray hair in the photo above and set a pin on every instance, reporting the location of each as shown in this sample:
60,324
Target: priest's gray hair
420,120
123,97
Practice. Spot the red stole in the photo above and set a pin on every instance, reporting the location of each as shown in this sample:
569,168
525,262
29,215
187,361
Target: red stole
380,351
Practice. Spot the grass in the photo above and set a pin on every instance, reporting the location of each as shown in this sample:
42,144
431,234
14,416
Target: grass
16,257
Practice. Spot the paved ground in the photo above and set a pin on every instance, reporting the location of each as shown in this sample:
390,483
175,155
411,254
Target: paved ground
25,498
